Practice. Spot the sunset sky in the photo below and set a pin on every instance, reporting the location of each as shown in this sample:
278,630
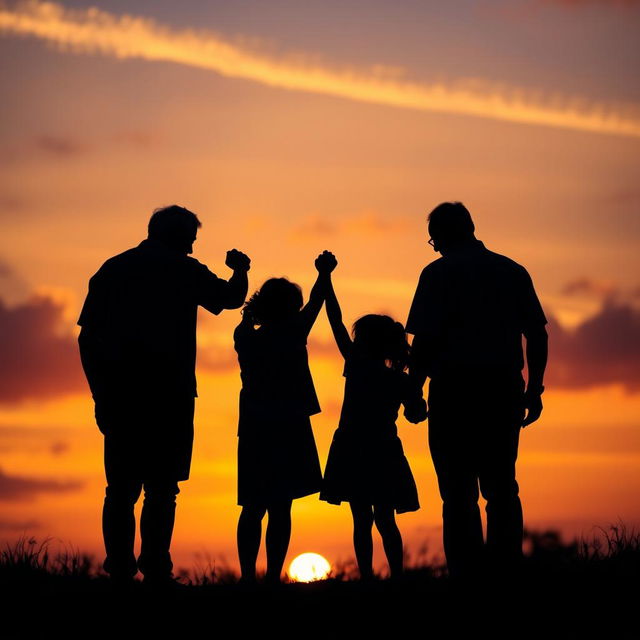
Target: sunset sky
293,127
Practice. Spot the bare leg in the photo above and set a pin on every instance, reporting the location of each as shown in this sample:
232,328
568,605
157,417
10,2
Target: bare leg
362,540
278,536
249,534
391,538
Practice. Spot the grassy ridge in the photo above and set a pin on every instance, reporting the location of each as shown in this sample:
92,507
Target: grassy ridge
578,589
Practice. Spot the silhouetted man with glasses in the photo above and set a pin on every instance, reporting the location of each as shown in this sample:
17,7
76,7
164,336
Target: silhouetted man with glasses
468,316
138,349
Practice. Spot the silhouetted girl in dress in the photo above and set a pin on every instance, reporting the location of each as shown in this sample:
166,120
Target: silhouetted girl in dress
277,456
366,465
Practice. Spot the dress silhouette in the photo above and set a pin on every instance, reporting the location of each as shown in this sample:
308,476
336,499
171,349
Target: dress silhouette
277,456
366,466
366,461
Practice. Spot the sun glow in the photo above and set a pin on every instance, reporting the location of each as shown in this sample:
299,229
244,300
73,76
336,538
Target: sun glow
309,567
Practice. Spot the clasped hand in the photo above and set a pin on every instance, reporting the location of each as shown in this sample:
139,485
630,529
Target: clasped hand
237,260
326,262
416,412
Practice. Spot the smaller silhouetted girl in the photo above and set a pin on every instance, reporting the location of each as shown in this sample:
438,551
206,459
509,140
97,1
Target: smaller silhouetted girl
366,465
277,456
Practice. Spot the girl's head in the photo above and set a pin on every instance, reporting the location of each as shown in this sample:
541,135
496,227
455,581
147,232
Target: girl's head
381,338
277,299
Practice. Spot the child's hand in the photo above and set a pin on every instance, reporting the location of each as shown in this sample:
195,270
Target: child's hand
416,412
326,262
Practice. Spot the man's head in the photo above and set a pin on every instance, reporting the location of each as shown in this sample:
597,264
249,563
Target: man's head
450,226
174,226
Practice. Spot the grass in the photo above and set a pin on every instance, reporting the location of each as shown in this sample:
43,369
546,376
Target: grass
27,559
581,588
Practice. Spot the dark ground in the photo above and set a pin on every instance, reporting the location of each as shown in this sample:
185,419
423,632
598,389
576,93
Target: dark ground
574,590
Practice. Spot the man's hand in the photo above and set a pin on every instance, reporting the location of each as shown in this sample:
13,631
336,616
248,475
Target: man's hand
416,412
326,262
237,260
533,405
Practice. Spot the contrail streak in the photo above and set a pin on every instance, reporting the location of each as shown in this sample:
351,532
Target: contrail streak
124,36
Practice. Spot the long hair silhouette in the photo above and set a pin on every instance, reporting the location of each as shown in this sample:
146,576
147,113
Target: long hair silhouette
380,337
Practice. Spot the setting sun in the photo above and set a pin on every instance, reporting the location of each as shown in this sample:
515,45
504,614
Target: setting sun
309,567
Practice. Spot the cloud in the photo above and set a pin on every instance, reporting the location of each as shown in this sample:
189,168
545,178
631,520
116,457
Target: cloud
371,223
218,360
59,447
603,350
37,361
314,227
64,146
124,36
60,146
137,138
13,526
12,287
25,443
23,488
56,441
5,270
627,196
601,289
577,4
323,349
10,203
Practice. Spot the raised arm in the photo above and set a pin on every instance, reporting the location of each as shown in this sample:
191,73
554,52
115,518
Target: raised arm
238,283
216,294
334,313
325,263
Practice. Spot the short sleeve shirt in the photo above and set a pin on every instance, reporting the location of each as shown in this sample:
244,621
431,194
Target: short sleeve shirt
142,305
473,307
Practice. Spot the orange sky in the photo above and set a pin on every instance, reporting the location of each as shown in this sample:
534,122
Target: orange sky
94,137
